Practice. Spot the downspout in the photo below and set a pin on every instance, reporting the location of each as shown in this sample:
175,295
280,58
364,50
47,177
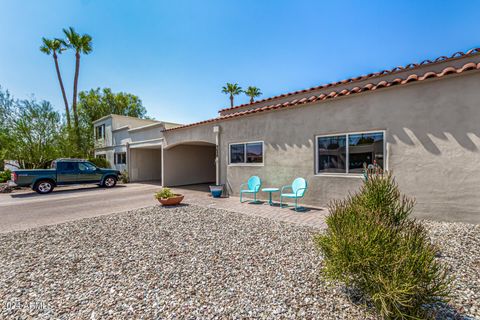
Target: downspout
216,130
129,173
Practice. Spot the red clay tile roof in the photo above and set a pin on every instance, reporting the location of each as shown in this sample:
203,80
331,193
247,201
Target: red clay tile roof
367,76
334,94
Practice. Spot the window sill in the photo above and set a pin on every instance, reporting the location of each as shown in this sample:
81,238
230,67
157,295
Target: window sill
246,164
341,175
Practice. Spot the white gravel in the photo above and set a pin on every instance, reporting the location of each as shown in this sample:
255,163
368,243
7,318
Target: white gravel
193,262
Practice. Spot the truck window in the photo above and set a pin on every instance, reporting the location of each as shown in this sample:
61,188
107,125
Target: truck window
85,166
66,166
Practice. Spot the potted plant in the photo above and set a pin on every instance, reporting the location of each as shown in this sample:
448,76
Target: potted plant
167,198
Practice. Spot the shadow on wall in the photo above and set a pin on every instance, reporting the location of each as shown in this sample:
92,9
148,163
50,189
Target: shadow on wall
469,141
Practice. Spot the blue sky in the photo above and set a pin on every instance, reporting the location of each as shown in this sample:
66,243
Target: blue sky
176,55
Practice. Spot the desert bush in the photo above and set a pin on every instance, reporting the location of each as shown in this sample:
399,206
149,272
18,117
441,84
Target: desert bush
5,175
164,193
100,162
372,245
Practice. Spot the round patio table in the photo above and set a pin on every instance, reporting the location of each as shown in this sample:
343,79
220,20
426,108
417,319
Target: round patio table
270,191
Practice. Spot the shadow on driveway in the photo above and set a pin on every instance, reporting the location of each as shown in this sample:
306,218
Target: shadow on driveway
58,190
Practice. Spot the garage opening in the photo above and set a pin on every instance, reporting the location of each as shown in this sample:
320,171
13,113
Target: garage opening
189,163
145,163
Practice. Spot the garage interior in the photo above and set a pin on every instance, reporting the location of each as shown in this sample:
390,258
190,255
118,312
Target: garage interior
188,164
145,163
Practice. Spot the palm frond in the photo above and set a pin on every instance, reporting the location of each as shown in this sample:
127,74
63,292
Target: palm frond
60,45
253,92
86,43
232,89
47,46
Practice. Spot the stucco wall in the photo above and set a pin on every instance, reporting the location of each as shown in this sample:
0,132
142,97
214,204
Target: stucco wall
433,141
132,122
108,139
146,134
145,164
188,164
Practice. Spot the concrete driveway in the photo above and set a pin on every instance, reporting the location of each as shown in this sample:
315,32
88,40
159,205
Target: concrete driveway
27,209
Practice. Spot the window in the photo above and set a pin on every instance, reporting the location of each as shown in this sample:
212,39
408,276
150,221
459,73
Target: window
246,153
332,154
86,166
100,132
63,167
349,153
120,158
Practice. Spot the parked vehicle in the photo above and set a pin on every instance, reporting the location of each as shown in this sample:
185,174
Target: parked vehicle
64,172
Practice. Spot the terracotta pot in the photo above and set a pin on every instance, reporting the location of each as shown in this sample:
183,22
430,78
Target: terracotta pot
171,201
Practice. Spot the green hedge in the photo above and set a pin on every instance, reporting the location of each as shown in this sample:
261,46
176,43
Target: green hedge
372,245
5,176
100,162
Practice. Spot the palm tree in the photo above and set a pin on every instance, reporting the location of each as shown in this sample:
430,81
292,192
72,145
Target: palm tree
253,92
54,47
232,90
81,44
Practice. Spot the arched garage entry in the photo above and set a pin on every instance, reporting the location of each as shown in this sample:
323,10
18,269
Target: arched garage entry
189,163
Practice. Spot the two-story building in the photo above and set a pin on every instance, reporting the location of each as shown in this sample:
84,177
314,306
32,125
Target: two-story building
131,144
420,121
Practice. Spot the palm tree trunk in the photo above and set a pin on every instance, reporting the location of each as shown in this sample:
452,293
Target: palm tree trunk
251,99
74,101
231,100
67,111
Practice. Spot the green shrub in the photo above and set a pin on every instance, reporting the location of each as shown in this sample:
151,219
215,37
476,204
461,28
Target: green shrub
5,176
124,178
100,162
164,193
372,245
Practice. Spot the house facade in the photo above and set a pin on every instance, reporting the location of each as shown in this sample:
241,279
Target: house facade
131,144
421,122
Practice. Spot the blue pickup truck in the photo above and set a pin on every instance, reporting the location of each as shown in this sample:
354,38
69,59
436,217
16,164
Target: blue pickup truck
64,172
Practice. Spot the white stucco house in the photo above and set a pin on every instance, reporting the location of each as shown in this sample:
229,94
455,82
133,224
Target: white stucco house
117,137
420,121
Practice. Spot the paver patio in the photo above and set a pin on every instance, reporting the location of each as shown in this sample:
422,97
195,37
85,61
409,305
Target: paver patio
199,195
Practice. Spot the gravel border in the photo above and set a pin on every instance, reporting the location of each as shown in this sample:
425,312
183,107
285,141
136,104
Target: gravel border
194,262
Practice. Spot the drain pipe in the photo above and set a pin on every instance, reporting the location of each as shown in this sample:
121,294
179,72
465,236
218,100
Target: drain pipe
216,130
128,160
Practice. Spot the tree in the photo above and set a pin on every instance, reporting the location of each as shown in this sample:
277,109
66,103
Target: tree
253,92
7,105
81,44
232,90
35,134
97,103
54,47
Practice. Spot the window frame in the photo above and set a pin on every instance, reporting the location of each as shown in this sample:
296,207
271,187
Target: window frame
246,164
347,146
103,132
115,157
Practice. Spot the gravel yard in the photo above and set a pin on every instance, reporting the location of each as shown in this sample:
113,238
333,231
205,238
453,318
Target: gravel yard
194,262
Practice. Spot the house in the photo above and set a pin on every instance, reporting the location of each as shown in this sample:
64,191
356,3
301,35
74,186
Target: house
421,121
116,136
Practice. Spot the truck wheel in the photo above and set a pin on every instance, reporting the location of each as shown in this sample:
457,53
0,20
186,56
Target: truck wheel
109,182
43,186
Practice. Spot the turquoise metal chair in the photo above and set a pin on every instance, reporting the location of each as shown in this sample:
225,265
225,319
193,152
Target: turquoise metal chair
253,186
298,187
